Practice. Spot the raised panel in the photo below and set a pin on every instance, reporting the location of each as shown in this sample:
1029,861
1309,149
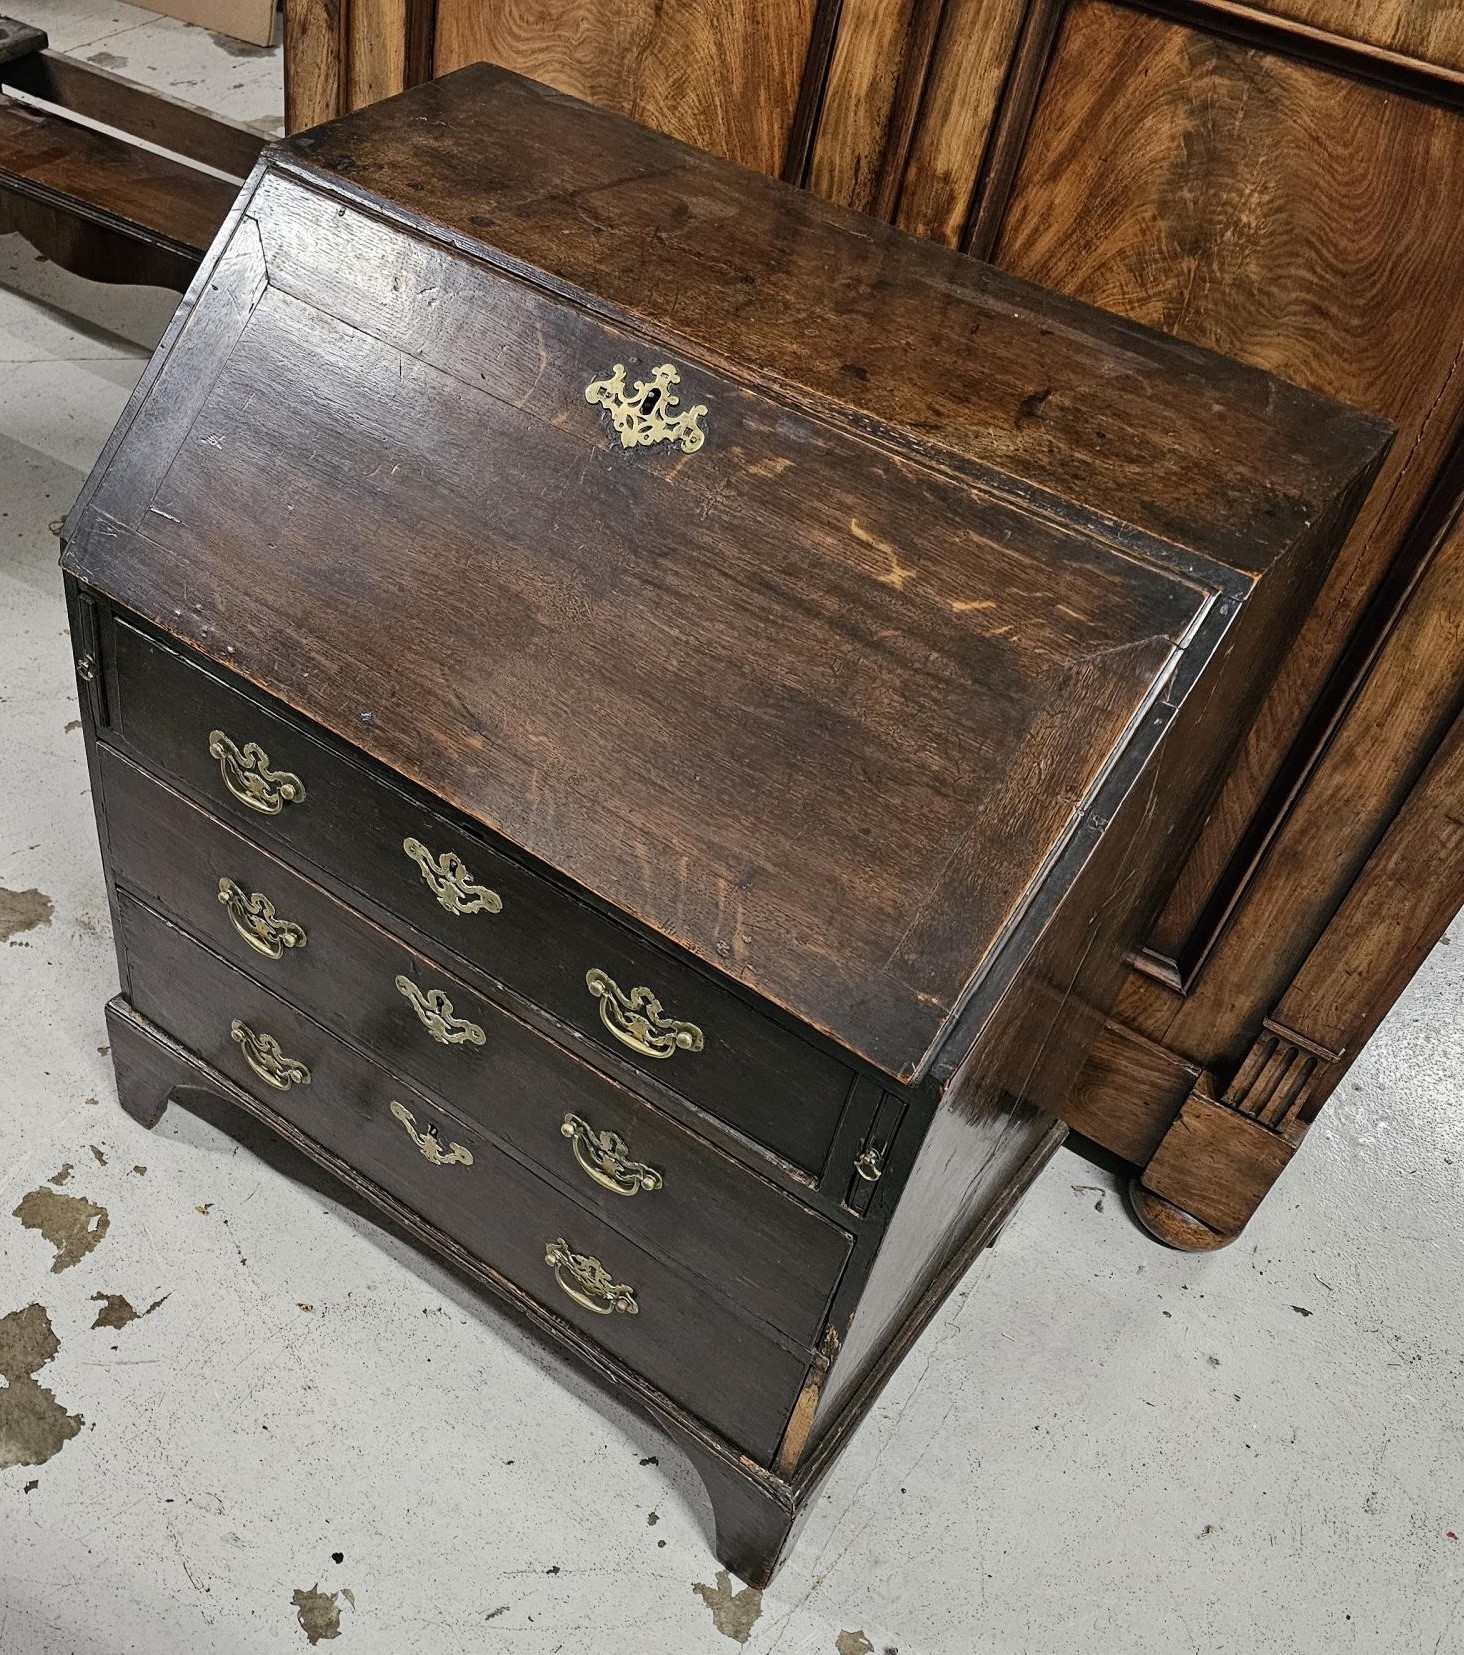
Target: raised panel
1369,772
724,77
314,62
1284,214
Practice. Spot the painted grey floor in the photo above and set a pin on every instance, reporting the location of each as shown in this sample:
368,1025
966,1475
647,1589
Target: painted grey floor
230,77
1098,1446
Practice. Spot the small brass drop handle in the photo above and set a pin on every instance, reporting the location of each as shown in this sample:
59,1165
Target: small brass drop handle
606,1157
262,1053
252,915
429,1142
248,776
637,1021
585,1280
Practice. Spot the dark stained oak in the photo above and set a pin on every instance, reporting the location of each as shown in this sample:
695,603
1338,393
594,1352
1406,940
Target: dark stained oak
859,741
755,1512
757,1075
680,1339
878,959
772,1254
172,209
88,90
1276,178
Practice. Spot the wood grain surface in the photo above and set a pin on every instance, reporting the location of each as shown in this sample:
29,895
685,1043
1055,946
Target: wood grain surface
315,62
752,1072
376,50
680,1340
863,947
962,95
896,644
1431,30
1394,723
171,207
871,60
1015,385
96,93
1279,213
726,77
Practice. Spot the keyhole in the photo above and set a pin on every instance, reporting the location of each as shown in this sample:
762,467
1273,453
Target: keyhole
649,400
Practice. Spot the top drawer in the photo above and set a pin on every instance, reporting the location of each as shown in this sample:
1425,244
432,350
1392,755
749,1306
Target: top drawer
288,789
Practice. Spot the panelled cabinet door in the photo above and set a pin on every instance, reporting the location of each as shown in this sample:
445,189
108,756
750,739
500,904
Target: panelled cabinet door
1282,182
1287,215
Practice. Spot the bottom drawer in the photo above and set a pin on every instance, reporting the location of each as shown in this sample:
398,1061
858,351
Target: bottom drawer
653,1320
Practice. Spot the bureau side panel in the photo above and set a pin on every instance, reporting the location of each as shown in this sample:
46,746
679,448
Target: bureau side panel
1029,1048
997,1109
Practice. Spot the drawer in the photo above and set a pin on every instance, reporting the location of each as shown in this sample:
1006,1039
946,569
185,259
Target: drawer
591,972
765,1251
733,1375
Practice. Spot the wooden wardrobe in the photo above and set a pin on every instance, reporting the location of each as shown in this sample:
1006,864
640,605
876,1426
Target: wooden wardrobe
1283,183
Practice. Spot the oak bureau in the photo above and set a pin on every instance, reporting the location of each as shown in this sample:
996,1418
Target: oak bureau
635,716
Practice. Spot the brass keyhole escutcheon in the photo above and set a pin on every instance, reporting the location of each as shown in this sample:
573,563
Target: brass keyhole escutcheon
428,1141
648,412
449,881
435,1014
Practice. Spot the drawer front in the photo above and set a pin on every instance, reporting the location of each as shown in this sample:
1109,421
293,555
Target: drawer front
288,790
640,1171
655,1322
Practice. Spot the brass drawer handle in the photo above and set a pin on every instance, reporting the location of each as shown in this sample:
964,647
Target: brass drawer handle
644,415
636,1019
429,1142
450,882
590,1283
870,1166
606,1157
262,1053
252,915
434,1013
248,777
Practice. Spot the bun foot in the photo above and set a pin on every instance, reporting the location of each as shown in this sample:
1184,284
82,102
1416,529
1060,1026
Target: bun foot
1169,1224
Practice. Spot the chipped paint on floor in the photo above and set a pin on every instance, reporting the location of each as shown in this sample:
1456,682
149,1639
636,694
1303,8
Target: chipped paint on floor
318,1612
72,1224
734,1613
34,1427
22,911
117,1310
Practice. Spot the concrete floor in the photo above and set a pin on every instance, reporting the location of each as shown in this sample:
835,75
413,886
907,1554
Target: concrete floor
230,77
1099,1445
